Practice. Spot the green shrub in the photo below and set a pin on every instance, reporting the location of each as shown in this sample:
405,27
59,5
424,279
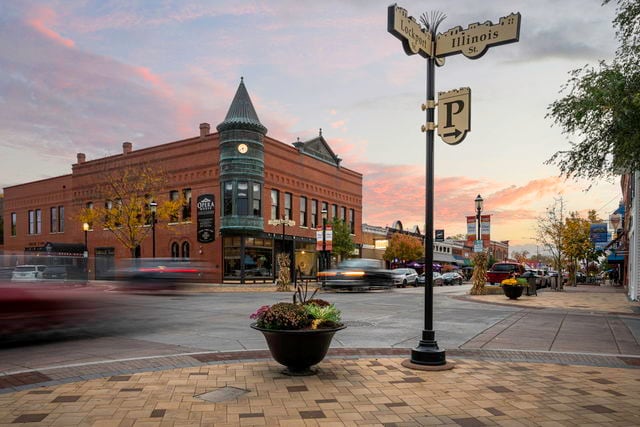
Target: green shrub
319,302
323,316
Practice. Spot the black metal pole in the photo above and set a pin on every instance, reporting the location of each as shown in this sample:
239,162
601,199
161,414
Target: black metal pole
478,235
427,352
153,234
324,243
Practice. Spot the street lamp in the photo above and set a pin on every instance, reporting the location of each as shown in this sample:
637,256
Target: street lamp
85,228
323,264
479,202
615,219
153,206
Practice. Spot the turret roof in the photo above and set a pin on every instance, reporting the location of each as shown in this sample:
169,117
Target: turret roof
241,114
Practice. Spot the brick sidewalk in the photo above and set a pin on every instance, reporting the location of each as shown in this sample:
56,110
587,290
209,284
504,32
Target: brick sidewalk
357,392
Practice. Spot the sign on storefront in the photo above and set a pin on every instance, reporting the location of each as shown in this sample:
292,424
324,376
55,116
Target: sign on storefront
206,218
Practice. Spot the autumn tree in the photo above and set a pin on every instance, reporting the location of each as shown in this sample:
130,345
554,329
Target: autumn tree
577,243
403,247
601,108
127,193
521,257
550,229
342,242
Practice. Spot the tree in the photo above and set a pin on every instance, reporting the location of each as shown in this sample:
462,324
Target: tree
521,257
342,243
602,108
577,243
550,231
126,212
404,248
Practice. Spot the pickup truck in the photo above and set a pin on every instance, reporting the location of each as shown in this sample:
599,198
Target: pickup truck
502,270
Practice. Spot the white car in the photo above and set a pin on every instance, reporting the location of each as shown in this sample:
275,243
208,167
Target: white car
27,273
404,276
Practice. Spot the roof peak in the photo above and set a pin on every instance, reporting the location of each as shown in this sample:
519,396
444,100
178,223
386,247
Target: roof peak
241,114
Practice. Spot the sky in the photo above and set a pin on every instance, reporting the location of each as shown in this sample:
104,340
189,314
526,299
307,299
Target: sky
85,76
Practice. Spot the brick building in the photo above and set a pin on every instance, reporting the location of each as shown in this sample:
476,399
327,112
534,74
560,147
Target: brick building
245,177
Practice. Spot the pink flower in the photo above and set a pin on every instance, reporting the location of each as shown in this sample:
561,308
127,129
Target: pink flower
259,312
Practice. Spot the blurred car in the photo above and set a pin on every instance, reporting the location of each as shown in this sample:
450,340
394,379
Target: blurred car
157,273
503,270
436,281
27,273
452,278
55,272
356,274
404,276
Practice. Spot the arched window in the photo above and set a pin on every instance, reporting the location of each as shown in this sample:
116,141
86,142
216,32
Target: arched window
185,250
175,250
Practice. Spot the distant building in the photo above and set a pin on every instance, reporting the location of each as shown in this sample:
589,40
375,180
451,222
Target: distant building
245,177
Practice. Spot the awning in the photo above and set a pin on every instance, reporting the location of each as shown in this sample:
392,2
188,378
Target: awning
460,260
59,248
446,258
615,259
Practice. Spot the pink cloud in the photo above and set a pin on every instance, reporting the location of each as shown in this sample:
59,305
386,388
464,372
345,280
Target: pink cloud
42,18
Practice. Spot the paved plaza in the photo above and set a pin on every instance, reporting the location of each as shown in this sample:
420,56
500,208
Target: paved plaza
497,379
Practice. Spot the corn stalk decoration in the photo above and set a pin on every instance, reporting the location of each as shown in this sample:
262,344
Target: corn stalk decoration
283,283
479,277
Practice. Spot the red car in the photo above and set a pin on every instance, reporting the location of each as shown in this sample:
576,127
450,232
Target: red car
503,270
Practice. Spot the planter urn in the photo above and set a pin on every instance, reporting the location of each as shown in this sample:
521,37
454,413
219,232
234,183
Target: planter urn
512,291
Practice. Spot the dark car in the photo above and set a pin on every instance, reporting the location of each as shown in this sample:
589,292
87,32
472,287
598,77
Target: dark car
158,273
437,279
452,279
357,274
55,272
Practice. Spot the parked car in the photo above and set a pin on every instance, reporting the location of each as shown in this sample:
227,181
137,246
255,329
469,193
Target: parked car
436,281
356,274
26,273
404,276
452,278
503,270
55,272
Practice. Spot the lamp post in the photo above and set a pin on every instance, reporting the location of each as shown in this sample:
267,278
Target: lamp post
85,228
323,264
479,202
153,206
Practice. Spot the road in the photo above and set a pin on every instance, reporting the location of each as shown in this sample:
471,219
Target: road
150,325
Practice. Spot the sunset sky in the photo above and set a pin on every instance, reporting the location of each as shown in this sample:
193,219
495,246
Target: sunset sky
85,76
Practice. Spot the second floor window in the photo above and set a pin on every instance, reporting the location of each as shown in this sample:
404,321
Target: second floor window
352,221
38,221
243,198
303,211
287,206
174,196
186,207
257,200
61,219
314,213
227,199
275,199
334,212
53,219
14,224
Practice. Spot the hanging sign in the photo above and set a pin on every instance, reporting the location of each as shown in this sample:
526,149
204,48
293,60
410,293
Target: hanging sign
454,115
206,218
414,38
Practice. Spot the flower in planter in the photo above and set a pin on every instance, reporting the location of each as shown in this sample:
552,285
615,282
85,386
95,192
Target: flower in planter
312,314
512,281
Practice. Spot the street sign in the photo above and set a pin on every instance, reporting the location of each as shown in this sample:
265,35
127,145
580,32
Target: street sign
439,235
477,246
454,115
404,27
476,39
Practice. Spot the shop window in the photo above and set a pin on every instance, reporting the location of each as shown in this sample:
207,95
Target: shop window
14,224
275,199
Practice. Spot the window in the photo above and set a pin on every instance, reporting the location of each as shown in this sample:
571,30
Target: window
343,213
287,205
334,212
38,221
185,250
174,196
314,213
175,250
61,219
108,206
32,222
325,208
257,200
186,207
227,198
89,207
303,211
14,224
53,219
352,221
243,198
275,198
